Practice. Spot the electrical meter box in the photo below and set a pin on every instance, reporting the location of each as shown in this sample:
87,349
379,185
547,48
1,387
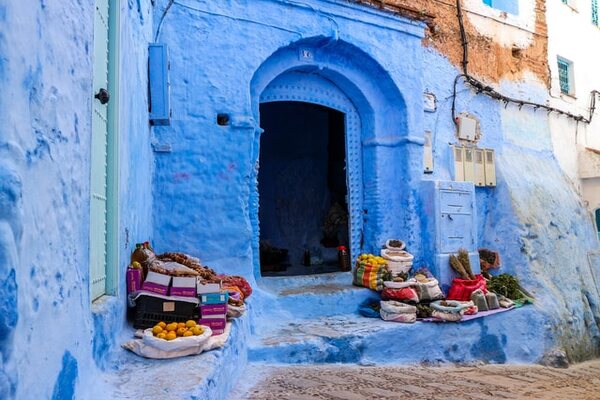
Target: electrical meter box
490,168
467,128
427,154
450,224
158,76
479,173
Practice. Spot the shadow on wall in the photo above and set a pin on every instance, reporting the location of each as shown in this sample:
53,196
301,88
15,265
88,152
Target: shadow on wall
11,231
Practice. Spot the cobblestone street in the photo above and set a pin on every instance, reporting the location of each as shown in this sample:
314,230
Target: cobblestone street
579,382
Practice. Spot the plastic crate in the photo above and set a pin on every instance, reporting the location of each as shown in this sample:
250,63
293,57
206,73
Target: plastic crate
151,309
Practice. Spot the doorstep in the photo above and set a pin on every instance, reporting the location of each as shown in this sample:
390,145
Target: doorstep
517,336
312,296
210,375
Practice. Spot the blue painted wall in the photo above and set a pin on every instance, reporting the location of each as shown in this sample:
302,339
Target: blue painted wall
205,190
47,323
202,196
224,55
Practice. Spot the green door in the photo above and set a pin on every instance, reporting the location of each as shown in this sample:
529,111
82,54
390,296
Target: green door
99,156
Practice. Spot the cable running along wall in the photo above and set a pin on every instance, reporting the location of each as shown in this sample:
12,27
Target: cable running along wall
481,87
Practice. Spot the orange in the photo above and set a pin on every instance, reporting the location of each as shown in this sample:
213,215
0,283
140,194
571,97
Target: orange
196,330
171,335
181,331
172,326
157,329
190,323
187,333
162,324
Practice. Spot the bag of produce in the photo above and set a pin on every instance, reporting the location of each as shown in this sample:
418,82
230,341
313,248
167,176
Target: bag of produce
462,289
429,290
449,310
370,308
398,312
398,261
407,294
239,281
370,271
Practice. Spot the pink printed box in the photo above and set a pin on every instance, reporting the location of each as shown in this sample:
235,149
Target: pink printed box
157,283
217,325
183,286
212,310
134,280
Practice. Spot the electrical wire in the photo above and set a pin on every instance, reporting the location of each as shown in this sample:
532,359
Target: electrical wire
162,18
487,90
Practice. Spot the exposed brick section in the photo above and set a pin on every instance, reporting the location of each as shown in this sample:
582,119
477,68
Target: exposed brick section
487,60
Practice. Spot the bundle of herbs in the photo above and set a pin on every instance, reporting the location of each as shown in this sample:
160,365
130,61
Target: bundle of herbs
508,286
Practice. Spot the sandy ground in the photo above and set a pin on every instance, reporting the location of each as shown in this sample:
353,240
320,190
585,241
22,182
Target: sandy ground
485,382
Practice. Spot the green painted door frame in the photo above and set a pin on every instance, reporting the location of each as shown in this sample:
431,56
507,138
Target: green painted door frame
104,204
112,238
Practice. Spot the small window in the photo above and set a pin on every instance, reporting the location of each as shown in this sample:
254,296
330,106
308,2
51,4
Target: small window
565,76
595,13
509,6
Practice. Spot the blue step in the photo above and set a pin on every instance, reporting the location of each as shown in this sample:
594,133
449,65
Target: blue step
516,336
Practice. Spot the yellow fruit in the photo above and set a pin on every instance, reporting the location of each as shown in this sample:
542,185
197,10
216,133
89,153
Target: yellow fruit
172,327
187,333
162,324
190,323
162,335
181,331
181,325
196,330
156,330
171,335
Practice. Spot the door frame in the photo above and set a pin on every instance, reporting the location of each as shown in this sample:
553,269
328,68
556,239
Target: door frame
298,86
112,169
112,154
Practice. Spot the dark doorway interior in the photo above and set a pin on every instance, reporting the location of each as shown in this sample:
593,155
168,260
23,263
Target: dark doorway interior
302,187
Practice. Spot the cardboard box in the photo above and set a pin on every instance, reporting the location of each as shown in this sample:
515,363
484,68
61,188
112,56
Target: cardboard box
157,283
183,286
213,309
203,288
134,280
217,325
214,298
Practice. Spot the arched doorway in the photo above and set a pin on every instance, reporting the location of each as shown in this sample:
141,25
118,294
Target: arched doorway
310,175
381,156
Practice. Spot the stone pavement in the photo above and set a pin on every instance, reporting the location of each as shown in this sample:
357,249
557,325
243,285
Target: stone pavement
485,382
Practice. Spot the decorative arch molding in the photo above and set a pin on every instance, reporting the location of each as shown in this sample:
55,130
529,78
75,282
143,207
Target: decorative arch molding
339,75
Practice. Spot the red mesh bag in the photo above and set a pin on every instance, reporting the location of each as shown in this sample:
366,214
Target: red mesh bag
462,289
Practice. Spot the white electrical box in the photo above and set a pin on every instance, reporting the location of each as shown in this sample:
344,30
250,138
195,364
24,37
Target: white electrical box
427,154
472,164
490,167
469,168
467,128
459,168
479,172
